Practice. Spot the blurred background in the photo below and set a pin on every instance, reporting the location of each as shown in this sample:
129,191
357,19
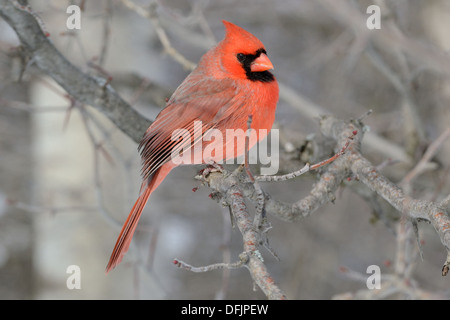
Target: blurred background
68,177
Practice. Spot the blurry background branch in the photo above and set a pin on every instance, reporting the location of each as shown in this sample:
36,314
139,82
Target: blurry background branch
87,89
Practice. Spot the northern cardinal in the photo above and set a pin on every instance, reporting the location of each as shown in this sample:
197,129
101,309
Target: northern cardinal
231,82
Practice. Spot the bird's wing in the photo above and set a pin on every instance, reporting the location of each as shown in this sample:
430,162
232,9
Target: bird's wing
210,101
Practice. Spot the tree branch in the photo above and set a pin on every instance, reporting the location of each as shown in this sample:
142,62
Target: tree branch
232,195
352,163
87,89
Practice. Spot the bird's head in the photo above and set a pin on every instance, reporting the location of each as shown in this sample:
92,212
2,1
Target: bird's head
244,56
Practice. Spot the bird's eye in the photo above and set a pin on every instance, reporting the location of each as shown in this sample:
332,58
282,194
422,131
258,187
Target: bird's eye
240,57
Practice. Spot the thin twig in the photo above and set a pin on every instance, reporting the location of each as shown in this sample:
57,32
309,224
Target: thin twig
106,33
153,17
308,167
235,265
422,164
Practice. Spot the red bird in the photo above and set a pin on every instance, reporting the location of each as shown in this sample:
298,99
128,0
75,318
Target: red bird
231,82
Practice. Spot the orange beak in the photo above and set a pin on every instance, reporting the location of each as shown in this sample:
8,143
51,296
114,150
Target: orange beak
262,63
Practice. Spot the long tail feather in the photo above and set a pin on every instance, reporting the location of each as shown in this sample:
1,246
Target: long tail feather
129,227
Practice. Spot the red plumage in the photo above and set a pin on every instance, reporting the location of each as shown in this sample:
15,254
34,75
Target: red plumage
230,83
